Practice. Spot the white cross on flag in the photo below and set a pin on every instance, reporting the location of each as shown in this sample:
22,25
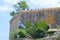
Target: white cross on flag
21,24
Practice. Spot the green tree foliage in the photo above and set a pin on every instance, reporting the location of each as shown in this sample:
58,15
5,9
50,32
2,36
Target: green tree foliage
51,32
40,33
12,13
28,25
21,32
38,30
13,34
22,5
41,24
58,27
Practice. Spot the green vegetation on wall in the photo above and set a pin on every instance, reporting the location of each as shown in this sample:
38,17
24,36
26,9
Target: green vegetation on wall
41,24
38,30
13,34
51,32
21,32
58,27
12,13
22,5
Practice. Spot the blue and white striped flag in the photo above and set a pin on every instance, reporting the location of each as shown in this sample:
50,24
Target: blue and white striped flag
21,24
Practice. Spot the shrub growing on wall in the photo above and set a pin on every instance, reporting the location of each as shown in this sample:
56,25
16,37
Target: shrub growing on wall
28,25
50,32
41,24
39,29
58,27
38,34
21,32
13,35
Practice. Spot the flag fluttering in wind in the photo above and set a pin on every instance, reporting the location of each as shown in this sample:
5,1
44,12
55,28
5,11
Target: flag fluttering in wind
21,24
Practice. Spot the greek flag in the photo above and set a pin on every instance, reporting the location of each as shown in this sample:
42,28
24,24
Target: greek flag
21,24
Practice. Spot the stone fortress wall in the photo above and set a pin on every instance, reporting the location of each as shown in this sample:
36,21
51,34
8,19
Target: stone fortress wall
38,14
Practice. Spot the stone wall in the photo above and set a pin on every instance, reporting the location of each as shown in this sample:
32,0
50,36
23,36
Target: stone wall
34,15
14,22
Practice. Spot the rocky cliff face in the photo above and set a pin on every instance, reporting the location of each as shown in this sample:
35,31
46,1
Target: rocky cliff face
51,15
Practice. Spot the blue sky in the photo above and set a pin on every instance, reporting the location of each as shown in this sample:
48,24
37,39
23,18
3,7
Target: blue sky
7,5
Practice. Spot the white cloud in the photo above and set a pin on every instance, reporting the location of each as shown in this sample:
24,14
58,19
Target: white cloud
5,8
8,5
46,3
11,1
39,3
